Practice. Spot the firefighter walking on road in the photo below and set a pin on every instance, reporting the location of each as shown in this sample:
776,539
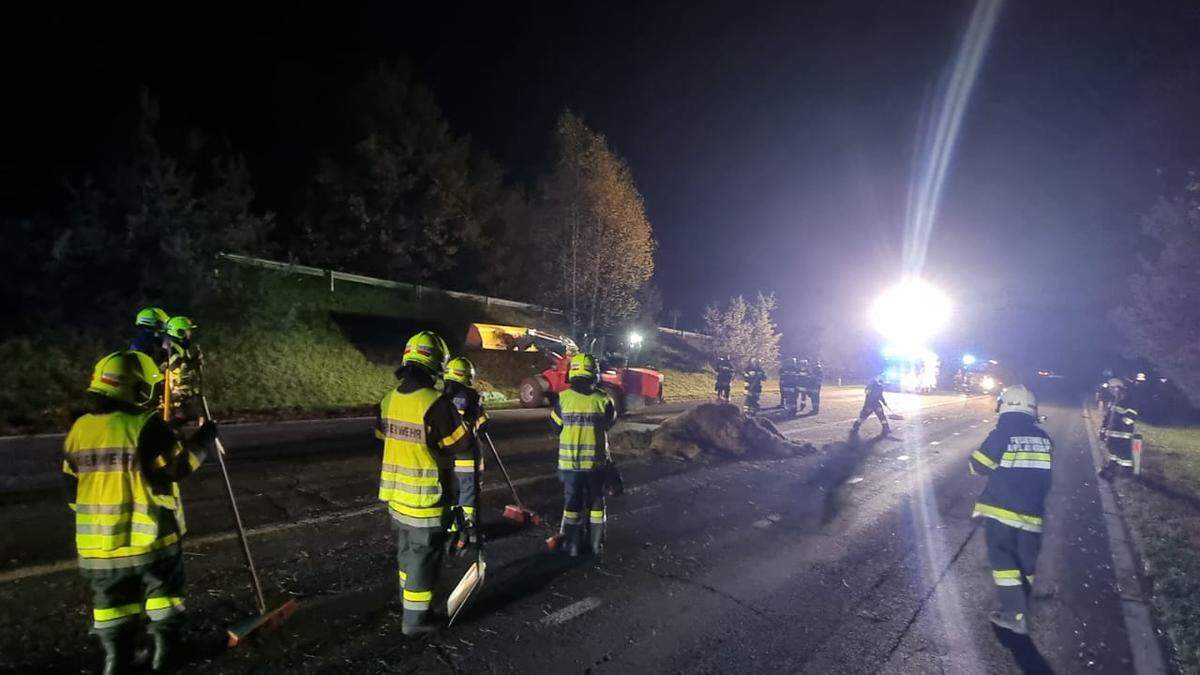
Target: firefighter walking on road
122,464
724,378
1016,458
468,464
422,434
873,404
582,416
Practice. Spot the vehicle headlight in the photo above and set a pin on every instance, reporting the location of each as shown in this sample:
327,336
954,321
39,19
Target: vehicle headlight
988,383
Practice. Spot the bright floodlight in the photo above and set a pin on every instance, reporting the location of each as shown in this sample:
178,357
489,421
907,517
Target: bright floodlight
635,339
968,359
910,313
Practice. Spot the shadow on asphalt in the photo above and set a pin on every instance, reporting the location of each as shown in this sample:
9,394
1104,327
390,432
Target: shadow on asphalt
519,579
1024,652
820,500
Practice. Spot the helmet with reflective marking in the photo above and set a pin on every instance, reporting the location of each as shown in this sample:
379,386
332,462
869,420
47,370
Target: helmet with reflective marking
126,376
583,366
152,317
1017,399
180,327
461,370
428,350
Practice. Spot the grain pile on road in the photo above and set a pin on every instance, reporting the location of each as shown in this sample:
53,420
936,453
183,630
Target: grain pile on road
717,430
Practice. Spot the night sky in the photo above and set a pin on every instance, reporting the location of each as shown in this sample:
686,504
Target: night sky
773,142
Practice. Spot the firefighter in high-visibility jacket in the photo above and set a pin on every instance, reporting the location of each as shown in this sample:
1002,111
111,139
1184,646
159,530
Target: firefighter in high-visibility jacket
583,415
1118,431
422,434
1016,457
150,325
182,370
121,465
468,464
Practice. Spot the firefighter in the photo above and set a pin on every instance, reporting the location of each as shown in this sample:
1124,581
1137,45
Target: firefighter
754,376
149,326
122,464
789,386
582,417
811,380
460,387
1112,390
873,404
182,370
1016,458
1117,431
422,434
724,378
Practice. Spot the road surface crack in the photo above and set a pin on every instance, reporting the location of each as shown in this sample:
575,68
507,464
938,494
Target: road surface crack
715,591
929,594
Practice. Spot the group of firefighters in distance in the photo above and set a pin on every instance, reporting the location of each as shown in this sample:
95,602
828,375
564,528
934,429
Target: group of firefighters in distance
144,432
799,384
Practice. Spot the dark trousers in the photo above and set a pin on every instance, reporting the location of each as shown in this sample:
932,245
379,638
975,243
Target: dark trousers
723,391
419,552
121,596
1012,554
814,397
877,409
582,490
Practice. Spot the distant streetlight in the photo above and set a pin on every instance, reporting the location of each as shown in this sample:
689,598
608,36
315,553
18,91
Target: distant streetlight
635,340
969,359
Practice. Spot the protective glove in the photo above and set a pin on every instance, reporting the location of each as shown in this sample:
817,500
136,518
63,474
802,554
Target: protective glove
206,435
468,541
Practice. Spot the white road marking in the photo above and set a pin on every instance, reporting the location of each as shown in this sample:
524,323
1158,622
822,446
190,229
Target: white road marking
955,433
1143,644
935,442
572,611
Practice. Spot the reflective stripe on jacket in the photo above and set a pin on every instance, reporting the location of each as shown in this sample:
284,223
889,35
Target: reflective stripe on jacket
582,442
120,518
414,479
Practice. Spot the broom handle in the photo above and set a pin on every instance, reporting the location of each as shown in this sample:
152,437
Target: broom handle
237,519
504,471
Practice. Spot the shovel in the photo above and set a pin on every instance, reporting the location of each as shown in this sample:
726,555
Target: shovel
471,582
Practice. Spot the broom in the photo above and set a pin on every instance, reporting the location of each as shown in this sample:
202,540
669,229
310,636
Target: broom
514,512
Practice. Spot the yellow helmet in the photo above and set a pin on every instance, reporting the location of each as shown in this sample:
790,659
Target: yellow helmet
426,349
152,317
461,370
583,365
180,327
126,376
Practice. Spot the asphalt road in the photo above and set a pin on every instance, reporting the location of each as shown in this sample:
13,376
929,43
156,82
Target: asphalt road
862,558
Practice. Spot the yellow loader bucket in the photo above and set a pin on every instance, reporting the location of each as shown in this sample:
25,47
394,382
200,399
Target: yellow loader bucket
497,337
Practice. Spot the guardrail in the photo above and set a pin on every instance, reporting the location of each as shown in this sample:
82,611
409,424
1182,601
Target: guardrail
418,290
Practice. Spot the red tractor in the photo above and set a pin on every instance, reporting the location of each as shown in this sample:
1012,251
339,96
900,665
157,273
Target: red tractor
630,388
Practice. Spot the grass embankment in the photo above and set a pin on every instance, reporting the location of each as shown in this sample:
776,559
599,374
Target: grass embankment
284,345
275,345
1164,509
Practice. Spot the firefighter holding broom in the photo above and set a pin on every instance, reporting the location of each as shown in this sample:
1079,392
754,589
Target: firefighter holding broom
122,464
583,416
422,434
460,387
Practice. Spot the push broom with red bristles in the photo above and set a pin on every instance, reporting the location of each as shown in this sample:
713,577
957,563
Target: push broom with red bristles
515,512
240,631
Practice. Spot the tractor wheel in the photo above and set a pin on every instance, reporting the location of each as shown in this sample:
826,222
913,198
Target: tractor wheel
532,392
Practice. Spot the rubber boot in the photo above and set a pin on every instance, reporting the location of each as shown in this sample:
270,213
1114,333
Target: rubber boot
887,431
1015,622
597,540
118,650
854,429
166,650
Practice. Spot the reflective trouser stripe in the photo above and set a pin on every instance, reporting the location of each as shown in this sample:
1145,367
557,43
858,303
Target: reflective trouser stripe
1120,460
164,607
570,517
1119,434
417,601
596,516
1007,577
108,617
464,465
403,578
1020,521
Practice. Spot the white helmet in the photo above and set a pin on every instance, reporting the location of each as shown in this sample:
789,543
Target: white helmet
1116,382
1017,399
